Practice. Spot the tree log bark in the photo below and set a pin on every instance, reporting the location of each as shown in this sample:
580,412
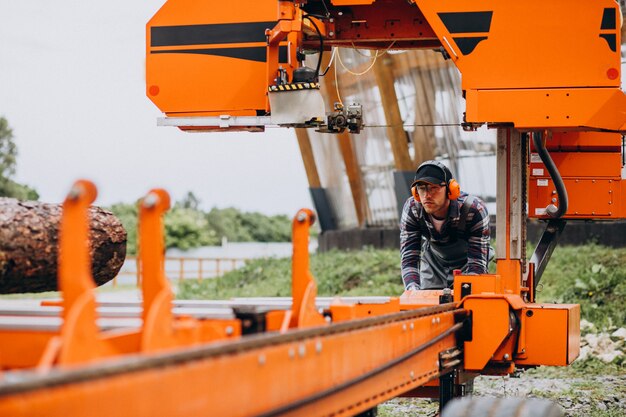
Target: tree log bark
29,233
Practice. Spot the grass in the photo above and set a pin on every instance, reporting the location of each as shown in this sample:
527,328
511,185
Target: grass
590,275
593,276
366,272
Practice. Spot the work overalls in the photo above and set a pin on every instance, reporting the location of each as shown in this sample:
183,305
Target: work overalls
439,261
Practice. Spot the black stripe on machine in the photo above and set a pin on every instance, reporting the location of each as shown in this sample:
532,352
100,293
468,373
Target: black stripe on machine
255,53
209,34
608,19
611,39
466,22
467,45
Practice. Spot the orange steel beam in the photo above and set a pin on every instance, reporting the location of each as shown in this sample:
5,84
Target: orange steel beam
288,374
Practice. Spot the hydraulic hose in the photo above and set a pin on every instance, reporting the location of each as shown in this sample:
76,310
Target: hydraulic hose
551,210
319,34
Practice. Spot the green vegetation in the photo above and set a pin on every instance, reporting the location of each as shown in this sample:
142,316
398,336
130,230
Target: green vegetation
366,272
590,275
578,369
8,155
187,226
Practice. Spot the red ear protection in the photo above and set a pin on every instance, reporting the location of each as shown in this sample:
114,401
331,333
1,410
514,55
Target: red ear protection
454,188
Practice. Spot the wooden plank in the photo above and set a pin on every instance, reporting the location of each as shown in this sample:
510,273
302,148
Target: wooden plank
383,71
353,171
306,150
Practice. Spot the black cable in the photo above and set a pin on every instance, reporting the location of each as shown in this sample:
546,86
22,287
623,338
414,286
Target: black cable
327,68
326,393
554,174
319,33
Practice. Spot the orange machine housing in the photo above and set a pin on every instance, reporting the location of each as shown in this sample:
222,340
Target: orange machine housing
519,64
590,164
203,58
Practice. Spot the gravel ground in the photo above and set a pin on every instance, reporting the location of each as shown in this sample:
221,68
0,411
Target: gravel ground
595,395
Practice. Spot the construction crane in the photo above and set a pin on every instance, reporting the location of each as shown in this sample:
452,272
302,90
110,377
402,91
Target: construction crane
546,74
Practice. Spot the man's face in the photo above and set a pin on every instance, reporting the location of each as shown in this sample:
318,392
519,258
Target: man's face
433,198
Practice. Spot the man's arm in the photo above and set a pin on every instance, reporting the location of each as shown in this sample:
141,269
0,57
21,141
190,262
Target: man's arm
410,246
479,239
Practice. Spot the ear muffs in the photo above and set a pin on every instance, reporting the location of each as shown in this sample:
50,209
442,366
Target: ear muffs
454,188
416,196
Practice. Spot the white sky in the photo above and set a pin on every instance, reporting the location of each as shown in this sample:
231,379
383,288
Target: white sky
72,89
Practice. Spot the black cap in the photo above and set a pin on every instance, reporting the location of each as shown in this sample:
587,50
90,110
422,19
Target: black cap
431,174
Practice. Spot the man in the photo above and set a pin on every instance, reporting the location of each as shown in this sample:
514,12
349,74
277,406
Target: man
441,230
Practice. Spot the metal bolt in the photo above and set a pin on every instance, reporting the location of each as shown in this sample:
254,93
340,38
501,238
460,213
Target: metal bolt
301,216
261,359
506,356
524,350
302,350
340,13
229,330
331,33
554,200
318,347
404,327
331,20
412,375
151,200
411,326
75,192
438,320
433,321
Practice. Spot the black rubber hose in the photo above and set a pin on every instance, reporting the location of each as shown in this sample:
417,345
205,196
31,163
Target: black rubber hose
554,174
319,33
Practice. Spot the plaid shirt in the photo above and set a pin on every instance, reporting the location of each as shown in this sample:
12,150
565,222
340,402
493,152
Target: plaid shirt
412,231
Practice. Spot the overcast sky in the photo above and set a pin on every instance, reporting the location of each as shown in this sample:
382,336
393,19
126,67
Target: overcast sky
72,89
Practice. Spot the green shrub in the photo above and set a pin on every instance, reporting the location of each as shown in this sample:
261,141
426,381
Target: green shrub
591,275
366,272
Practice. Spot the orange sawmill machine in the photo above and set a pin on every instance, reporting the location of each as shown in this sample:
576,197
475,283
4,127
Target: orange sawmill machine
546,74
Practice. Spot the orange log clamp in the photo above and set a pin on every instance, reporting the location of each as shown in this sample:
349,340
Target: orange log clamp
303,287
161,329
80,339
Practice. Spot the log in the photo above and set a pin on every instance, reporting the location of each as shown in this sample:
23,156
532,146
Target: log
29,232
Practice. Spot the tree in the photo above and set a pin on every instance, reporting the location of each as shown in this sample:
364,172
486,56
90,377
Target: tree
190,201
8,159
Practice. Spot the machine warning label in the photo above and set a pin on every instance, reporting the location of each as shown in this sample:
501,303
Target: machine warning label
542,183
538,171
534,158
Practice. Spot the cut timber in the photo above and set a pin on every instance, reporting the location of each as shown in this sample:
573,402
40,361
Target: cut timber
29,245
